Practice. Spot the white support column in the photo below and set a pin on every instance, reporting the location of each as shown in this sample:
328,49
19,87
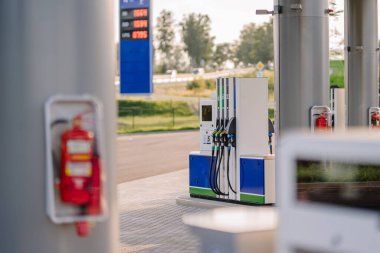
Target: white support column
51,47
302,61
362,60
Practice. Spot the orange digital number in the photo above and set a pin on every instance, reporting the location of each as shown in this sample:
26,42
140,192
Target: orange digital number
140,24
139,35
139,13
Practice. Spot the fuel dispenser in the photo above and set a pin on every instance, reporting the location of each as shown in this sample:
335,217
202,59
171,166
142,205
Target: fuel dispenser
74,167
235,163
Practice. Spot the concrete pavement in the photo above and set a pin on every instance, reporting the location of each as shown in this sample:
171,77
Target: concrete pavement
150,216
150,219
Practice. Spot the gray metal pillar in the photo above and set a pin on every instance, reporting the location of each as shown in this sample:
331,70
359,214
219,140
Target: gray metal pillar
302,61
362,60
50,47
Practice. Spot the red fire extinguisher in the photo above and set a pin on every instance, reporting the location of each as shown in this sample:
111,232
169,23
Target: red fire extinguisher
321,122
375,120
80,183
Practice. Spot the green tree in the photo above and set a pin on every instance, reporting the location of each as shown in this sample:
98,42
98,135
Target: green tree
244,50
263,48
256,44
180,59
165,35
196,37
222,53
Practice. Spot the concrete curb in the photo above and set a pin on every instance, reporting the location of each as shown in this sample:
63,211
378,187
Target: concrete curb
186,200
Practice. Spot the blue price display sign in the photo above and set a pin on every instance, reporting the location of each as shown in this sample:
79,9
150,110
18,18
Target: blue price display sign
136,47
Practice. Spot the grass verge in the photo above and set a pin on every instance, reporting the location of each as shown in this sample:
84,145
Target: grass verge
138,116
337,76
154,116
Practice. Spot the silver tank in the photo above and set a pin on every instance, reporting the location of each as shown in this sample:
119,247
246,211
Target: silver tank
362,60
51,47
301,60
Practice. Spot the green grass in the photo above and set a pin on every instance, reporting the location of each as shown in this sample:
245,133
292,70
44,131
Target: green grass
182,90
138,115
153,108
337,78
156,123
271,114
154,116
314,172
148,116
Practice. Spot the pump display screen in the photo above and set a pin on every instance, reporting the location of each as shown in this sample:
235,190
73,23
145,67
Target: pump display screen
339,183
79,147
206,113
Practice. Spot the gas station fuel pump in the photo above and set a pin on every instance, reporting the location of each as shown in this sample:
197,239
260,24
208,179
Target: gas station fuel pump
74,170
235,162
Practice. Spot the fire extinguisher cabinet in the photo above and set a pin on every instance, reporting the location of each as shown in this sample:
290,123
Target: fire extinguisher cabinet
74,148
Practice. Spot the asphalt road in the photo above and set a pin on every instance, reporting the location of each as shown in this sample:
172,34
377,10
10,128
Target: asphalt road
183,78
146,155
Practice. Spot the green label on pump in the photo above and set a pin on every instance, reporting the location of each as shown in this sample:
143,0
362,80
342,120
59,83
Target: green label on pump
218,90
256,199
223,95
202,191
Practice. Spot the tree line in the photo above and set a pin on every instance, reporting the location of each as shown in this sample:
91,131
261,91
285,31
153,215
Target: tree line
197,48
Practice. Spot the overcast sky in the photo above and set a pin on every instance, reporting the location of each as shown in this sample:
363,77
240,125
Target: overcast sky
228,16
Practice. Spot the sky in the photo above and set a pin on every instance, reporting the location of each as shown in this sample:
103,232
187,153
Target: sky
228,16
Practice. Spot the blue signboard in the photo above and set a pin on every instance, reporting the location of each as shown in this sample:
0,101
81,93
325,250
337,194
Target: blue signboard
136,48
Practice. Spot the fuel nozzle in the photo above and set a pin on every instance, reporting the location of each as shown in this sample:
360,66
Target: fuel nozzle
270,135
231,132
225,139
231,140
216,139
222,136
230,143
214,136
